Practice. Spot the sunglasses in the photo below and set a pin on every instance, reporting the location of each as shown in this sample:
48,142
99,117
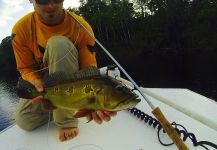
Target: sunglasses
45,2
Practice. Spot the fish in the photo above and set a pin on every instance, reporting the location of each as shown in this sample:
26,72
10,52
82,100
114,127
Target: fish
85,91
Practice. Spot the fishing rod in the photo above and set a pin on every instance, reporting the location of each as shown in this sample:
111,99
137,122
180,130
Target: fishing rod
155,110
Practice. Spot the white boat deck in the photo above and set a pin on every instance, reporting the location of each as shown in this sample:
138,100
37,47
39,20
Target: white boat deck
126,132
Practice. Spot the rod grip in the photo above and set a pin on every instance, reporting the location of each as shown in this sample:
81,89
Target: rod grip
171,132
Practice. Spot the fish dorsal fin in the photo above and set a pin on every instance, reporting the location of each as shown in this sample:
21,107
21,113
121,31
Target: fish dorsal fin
63,77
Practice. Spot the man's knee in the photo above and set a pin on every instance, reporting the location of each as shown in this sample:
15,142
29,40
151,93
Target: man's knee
30,121
61,55
58,47
23,122
60,42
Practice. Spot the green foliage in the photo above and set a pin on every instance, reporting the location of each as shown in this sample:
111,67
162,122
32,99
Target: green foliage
165,43
110,18
174,41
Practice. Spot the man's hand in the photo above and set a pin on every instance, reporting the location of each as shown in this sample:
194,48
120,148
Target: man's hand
100,116
39,85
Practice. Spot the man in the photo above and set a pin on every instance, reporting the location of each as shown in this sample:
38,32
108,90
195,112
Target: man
50,38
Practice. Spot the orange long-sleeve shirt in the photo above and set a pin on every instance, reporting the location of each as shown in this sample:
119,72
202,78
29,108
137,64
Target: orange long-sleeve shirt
31,37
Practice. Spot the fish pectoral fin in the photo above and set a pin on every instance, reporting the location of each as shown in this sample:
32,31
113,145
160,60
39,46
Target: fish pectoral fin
48,105
83,113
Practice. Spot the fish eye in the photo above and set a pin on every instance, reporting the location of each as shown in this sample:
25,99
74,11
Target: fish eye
29,90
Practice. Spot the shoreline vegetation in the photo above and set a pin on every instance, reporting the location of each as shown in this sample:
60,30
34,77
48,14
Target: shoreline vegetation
161,44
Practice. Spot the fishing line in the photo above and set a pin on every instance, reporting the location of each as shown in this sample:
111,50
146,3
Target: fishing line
48,126
115,61
71,148
47,129
49,118
60,59
89,145
68,50
155,110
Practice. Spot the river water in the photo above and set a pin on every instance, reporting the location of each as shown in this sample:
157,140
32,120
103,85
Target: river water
8,102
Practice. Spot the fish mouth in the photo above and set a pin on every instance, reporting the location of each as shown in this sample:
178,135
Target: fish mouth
132,100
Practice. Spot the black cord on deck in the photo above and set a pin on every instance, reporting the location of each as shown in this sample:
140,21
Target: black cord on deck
182,132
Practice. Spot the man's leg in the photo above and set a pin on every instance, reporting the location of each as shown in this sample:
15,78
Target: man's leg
28,116
62,56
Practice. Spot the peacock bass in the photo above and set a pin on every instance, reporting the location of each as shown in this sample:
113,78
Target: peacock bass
85,89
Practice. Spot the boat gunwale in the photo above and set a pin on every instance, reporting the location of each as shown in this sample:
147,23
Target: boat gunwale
7,128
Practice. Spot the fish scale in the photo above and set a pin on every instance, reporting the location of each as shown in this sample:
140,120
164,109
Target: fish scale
85,89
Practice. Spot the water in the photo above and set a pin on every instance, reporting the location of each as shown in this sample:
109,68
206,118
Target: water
8,102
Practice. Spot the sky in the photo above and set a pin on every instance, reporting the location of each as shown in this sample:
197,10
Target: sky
12,10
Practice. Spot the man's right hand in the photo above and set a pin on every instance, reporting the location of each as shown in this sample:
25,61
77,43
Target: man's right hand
39,85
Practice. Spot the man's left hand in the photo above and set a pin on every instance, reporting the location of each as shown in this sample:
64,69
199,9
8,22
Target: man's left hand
100,116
